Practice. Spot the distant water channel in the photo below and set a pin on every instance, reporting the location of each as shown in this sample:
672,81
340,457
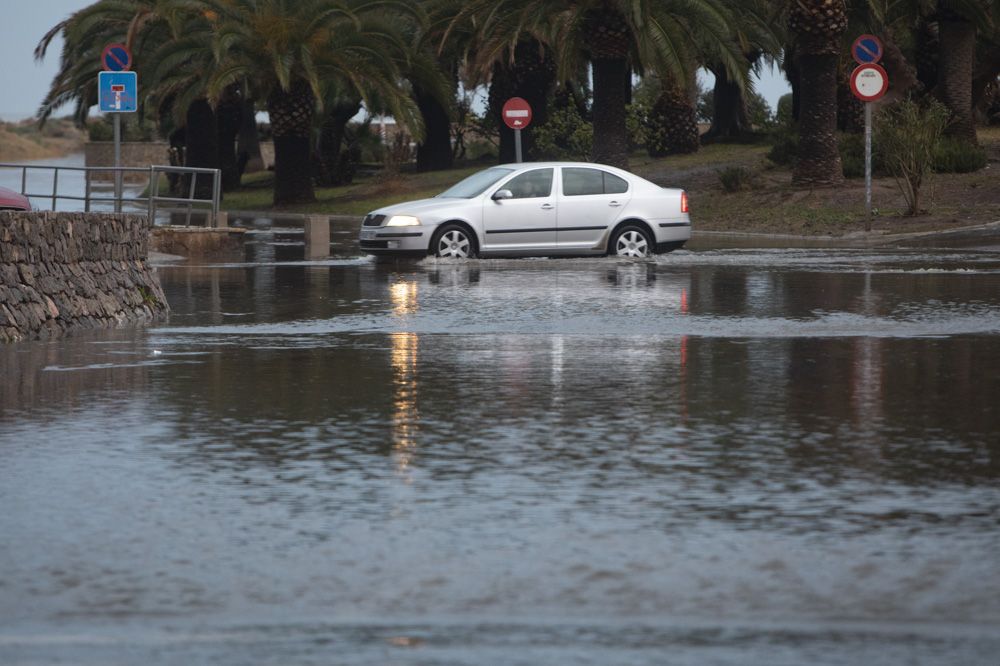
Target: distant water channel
727,456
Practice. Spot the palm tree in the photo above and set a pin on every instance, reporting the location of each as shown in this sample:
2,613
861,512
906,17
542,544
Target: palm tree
817,26
958,22
616,37
283,49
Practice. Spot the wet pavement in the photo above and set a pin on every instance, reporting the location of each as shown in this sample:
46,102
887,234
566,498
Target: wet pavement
722,456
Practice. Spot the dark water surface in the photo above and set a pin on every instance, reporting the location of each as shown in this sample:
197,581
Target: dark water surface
717,457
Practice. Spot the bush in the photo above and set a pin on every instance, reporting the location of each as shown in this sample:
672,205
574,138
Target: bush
954,156
735,178
852,156
102,129
783,115
565,136
785,147
907,135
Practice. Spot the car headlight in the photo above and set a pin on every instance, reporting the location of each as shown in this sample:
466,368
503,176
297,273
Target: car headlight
403,221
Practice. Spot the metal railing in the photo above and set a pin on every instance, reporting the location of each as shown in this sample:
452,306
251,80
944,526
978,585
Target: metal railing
151,202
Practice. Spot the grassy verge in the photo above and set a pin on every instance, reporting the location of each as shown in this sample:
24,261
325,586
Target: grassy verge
767,204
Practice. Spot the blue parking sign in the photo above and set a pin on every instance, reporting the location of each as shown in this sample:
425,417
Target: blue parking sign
117,92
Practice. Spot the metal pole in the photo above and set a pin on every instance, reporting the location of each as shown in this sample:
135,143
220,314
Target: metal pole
154,189
868,166
216,195
118,162
55,186
517,145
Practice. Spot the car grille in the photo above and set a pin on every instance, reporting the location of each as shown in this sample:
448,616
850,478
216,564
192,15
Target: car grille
373,220
374,245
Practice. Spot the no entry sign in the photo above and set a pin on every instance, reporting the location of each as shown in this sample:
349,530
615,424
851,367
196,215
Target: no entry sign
116,58
869,82
867,49
516,113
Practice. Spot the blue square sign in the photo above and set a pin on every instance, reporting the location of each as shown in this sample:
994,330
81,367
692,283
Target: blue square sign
117,92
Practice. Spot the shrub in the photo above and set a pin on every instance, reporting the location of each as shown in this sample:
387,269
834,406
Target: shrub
907,135
735,178
954,156
785,147
783,115
565,136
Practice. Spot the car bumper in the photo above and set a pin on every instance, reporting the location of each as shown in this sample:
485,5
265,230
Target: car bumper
671,234
402,241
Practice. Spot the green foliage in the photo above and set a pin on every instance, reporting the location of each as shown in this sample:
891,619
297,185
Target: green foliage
102,129
565,136
783,116
955,156
907,135
784,146
852,156
735,178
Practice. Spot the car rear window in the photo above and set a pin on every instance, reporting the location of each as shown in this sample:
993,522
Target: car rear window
579,181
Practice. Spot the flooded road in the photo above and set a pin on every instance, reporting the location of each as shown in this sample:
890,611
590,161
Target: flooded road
717,457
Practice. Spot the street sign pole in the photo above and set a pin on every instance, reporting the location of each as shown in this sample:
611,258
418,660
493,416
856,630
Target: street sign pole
517,145
868,166
516,114
118,161
117,93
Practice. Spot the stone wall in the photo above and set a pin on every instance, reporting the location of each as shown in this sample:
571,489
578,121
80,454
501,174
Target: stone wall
61,272
134,154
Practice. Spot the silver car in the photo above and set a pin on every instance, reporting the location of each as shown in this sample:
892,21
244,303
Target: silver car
539,208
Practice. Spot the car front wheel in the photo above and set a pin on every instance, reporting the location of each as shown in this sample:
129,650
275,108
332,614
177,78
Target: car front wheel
453,241
631,241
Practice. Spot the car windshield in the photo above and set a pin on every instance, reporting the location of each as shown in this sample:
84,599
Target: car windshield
475,184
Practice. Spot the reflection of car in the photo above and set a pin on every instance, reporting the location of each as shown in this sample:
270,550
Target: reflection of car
11,200
541,208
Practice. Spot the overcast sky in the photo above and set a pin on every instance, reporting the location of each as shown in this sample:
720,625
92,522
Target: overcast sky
24,82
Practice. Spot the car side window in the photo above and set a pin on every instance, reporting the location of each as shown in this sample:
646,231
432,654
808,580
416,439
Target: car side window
577,181
613,184
530,185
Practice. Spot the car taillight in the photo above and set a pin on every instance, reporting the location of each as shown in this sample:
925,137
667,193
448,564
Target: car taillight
684,202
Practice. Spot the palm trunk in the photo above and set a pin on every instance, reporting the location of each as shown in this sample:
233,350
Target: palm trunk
336,169
291,115
201,148
957,55
729,109
228,117
434,153
819,159
610,132
248,143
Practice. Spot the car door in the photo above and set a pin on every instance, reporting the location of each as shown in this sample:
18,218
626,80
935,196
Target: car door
527,220
591,200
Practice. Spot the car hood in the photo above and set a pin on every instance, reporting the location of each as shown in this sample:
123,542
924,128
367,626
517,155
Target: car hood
419,206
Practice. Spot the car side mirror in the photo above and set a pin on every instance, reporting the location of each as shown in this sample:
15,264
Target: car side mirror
500,195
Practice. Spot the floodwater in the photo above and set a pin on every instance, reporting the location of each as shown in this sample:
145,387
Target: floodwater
718,457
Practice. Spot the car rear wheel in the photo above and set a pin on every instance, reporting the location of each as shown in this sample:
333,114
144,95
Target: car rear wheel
453,241
631,241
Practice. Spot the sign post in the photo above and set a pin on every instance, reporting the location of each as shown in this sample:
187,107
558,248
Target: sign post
516,115
117,90
868,83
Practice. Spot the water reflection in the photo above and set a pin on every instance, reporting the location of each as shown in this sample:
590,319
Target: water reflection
472,439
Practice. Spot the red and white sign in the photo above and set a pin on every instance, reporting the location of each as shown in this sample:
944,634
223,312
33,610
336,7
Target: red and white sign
516,113
869,82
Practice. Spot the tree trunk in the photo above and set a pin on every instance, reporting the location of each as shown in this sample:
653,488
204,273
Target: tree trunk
336,165
291,115
610,132
954,89
248,143
729,109
819,159
228,117
201,148
434,153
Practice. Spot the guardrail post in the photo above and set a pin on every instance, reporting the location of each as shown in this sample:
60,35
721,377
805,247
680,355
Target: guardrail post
216,196
151,191
317,228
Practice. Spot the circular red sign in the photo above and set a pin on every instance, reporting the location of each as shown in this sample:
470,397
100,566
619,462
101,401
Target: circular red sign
116,58
516,113
869,82
867,49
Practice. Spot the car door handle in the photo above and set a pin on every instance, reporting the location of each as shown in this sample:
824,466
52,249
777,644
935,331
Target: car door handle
547,206
614,204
